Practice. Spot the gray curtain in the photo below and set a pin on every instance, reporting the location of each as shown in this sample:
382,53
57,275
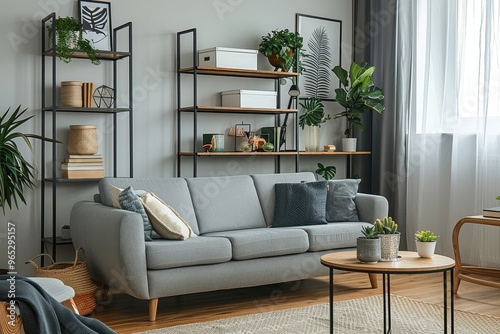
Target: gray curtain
377,30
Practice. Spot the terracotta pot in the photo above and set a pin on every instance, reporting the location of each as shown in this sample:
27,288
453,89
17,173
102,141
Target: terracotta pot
276,62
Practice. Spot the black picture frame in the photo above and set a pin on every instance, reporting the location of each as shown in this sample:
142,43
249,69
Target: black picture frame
318,79
95,17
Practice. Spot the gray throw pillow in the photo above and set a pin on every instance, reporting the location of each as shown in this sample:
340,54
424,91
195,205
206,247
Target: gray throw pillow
300,204
340,206
130,201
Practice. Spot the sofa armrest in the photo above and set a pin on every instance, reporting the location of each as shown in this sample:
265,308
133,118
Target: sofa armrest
371,207
113,240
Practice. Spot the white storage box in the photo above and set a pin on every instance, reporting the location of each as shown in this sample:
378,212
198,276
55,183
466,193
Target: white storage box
229,58
249,99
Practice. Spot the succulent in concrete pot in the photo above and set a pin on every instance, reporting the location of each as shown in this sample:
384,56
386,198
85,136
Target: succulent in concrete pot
368,246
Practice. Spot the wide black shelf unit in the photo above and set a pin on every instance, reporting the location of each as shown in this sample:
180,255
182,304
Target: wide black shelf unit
51,111
194,70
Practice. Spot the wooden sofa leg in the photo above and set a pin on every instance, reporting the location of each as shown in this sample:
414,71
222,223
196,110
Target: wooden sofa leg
153,307
373,280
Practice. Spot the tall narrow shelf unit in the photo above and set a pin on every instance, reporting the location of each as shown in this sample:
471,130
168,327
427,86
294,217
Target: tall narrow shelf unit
51,111
194,70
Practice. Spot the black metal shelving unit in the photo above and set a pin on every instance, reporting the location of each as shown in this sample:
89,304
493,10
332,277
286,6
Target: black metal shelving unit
194,70
49,56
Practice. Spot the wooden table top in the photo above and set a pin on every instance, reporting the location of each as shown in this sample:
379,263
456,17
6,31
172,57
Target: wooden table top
410,263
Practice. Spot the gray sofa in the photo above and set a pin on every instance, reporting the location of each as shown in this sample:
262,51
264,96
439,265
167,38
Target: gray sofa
233,248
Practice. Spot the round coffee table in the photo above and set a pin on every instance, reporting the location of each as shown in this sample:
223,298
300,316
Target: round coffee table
408,263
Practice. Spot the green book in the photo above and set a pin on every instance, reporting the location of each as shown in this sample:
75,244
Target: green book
273,133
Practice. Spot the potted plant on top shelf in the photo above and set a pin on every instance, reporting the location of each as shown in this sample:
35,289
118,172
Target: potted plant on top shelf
313,115
280,47
426,243
69,39
356,94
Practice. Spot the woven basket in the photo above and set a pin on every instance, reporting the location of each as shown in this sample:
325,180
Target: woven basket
82,139
74,274
71,94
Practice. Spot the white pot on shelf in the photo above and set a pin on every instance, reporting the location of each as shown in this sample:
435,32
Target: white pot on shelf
65,233
425,249
349,144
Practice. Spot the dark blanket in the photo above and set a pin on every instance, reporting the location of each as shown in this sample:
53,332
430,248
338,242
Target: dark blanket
43,314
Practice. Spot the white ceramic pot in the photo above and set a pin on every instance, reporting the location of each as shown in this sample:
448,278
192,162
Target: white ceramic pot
65,233
311,138
425,249
349,144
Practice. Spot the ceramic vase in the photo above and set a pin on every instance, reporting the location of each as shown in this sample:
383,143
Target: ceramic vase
425,249
349,144
311,138
368,250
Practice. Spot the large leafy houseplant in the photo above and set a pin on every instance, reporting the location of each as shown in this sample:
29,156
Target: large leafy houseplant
15,171
281,46
313,113
69,39
356,94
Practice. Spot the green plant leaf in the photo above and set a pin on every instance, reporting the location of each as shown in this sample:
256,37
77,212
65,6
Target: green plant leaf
341,74
327,172
316,72
313,113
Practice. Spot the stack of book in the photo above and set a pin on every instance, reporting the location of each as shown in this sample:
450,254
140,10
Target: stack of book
77,166
87,91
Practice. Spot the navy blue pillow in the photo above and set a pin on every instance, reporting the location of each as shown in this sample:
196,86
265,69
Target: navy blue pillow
300,204
340,205
130,201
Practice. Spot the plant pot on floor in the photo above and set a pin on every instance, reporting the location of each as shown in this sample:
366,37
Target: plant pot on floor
349,144
368,250
425,249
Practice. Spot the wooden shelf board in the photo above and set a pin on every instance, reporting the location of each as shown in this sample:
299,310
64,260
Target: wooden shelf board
80,180
228,110
89,110
104,55
237,72
233,154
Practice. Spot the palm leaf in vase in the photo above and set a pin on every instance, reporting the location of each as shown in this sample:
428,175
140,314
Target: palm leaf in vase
316,64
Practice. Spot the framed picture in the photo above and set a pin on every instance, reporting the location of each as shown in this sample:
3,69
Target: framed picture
95,17
322,50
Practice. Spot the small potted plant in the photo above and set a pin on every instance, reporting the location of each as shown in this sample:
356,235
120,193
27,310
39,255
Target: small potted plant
280,48
368,246
313,115
387,230
426,243
69,39
65,232
356,94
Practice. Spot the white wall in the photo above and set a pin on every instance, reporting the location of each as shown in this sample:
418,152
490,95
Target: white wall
230,23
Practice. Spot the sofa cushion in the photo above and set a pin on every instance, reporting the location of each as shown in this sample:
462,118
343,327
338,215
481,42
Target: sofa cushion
265,242
264,183
164,254
128,200
225,203
340,204
333,235
166,222
173,191
300,203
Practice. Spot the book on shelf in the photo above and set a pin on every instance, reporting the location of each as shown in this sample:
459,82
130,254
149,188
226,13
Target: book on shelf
492,212
274,134
84,156
82,174
85,160
81,167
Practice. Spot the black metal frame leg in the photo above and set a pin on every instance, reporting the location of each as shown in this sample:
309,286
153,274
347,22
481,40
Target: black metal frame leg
331,300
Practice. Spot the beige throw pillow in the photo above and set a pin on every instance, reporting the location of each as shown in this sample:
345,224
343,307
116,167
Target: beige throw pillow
165,220
115,193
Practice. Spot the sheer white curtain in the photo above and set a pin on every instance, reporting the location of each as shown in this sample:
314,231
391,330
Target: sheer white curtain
453,153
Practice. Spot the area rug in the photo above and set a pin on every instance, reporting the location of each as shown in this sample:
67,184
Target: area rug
351,317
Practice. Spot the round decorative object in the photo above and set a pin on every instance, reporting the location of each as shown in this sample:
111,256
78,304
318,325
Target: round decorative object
71,94
82,139
65,233
246,146
268,147
104,96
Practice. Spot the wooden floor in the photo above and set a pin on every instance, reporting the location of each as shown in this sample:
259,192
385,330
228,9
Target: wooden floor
125,314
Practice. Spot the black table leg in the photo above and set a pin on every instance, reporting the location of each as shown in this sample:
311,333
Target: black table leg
331,300
386,297
445,302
